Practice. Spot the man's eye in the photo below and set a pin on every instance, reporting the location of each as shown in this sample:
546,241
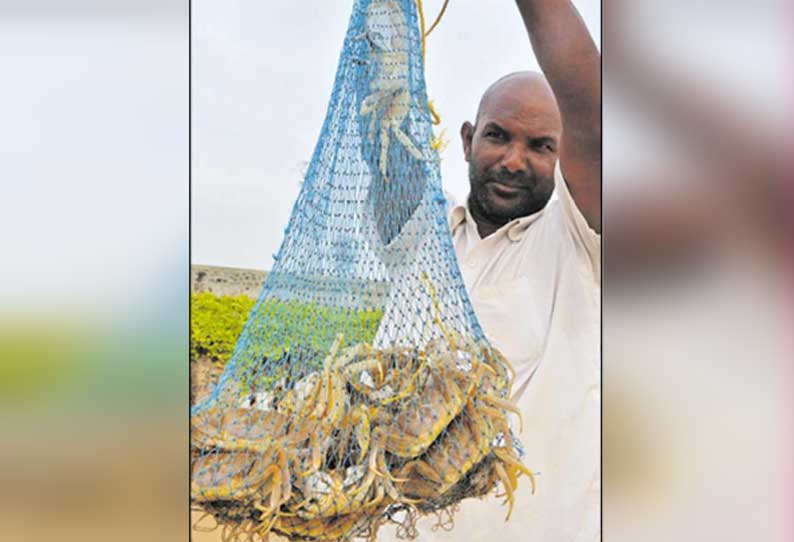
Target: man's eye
493,134
542,146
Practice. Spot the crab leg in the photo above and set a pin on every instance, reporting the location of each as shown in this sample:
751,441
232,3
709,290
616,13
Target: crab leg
507,483
425,470
512,462
384,148
236,488
403,138
507,405
317,454
361,418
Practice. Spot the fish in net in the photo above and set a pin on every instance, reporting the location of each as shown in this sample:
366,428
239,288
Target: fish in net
362,389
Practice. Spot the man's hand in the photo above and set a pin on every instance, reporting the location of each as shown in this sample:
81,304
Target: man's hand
571,63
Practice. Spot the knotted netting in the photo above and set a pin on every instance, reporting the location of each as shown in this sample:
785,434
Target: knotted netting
362,389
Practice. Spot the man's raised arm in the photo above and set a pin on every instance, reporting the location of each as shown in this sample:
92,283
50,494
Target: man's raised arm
572,65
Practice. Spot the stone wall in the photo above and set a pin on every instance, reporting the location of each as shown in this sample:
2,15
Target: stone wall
226,280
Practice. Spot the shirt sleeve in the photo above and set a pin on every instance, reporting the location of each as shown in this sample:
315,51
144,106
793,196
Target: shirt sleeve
585,237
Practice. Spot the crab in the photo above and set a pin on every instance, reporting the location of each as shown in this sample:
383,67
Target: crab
235,423
371,429
467,443
389,98
386,376
225,476
241,455
419,421
356,421
314,411
237,456
346,491
339,492
259,478
415,424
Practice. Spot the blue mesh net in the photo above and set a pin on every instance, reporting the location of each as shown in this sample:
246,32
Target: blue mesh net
362,389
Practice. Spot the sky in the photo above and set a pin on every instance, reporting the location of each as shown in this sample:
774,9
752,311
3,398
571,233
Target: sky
262,75
94,160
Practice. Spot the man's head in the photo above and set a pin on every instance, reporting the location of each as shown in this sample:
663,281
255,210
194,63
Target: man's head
512,149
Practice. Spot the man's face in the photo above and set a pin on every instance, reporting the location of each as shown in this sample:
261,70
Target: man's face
512,152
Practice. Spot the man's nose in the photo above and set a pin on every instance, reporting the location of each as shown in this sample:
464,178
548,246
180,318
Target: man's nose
514,159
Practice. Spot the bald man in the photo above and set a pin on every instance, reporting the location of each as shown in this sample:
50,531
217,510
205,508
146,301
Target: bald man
512,150
531,264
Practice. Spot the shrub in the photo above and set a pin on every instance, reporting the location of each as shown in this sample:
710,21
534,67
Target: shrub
217,321
215,324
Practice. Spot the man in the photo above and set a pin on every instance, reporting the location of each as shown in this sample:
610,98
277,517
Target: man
531,265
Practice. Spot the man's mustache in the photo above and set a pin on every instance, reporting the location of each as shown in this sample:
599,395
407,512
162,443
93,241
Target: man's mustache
513,180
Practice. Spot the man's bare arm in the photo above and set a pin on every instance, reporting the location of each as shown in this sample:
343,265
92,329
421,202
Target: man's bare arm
571,63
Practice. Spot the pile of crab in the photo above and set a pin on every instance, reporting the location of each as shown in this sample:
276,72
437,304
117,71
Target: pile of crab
345,449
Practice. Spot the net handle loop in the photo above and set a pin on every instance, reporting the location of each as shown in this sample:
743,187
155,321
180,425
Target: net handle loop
436,118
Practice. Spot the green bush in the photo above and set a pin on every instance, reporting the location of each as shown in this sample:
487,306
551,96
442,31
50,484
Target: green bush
287,324
217,322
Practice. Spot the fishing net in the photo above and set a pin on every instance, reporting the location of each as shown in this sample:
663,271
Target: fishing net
362,390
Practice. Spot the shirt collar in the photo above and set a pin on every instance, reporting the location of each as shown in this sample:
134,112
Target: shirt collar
514,230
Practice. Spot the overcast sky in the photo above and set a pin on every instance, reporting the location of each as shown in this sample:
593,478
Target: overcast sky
262,77
94,152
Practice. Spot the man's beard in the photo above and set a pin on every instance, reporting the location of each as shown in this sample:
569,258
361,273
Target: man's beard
532,198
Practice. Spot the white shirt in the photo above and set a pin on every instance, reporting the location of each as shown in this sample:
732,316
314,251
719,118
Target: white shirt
535,288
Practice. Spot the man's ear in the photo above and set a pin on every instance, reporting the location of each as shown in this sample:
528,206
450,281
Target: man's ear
466,135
